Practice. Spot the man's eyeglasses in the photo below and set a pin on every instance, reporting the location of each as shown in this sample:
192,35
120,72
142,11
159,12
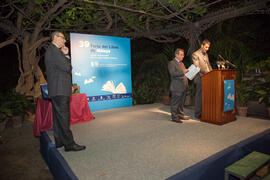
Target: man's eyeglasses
63,37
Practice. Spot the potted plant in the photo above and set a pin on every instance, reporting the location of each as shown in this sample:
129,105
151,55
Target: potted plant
4,115
19,104
5,111
264,94
242,96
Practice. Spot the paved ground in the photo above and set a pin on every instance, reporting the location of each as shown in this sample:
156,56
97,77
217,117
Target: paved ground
20,158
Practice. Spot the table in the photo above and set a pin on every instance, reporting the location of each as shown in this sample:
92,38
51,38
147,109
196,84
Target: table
79,112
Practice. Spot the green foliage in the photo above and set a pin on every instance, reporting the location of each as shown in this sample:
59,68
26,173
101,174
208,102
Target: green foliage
264,92
83,16
14,104
260,89
195,11
144,93
236,46
38,1
230,43
168,51
177,4
72,12
243,90
254,89
5,110
150,76
142,17
263,65
143,4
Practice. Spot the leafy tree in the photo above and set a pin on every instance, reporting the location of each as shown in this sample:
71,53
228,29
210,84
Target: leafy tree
28,23
229,43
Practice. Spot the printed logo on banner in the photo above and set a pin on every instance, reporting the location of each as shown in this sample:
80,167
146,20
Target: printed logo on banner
229,95
108,97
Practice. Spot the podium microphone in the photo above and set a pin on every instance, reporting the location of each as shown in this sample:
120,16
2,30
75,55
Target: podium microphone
221,57
228,62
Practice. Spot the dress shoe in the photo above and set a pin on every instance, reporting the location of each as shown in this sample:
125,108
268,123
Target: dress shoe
184,117
58,143
177,120
74,147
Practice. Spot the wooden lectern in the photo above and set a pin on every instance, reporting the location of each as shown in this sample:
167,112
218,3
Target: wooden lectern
213,96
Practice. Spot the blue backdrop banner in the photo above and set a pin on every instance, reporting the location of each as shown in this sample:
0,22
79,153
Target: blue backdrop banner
102,69
229,95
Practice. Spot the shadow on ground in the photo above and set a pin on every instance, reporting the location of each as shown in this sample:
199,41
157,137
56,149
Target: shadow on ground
20,158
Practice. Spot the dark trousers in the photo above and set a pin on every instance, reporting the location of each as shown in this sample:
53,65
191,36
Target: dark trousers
61,120
177,104
198,95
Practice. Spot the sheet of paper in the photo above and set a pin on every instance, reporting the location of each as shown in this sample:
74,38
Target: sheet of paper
192,71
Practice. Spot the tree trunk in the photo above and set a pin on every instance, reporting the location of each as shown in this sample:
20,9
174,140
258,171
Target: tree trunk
31,75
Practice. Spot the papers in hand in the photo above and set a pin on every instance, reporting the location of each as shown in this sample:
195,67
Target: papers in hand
192,71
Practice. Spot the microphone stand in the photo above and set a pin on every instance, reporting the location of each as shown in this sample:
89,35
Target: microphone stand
227,62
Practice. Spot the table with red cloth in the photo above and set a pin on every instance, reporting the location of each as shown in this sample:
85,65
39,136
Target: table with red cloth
79,112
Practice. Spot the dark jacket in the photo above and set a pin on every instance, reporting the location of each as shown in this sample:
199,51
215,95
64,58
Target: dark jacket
179,82
58,68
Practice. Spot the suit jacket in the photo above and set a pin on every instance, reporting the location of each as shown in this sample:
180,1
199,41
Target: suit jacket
179,82
58,68
201,61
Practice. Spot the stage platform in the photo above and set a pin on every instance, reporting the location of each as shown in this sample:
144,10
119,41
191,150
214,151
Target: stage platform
141,143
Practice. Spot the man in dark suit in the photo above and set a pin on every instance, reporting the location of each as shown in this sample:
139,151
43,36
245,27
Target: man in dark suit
178,87
58,68
201,60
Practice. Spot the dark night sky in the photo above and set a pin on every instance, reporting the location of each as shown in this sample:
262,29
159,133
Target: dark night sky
8,65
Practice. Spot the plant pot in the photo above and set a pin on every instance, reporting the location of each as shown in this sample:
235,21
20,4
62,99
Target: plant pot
3,125
190,100
17,121
242,111
165,99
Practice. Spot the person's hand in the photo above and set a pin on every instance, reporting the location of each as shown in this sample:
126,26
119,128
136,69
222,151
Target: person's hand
186,71
64,50
72,89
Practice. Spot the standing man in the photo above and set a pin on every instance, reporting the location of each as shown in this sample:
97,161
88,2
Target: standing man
201,60
178,87
58,68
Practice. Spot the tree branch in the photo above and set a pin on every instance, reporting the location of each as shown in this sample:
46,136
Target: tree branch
164,40
141,11
7,42
108,16
38,26
9,14
38,43
49,18
165,7
190,3
23,13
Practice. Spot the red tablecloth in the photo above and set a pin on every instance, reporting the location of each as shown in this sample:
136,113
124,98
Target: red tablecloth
79,112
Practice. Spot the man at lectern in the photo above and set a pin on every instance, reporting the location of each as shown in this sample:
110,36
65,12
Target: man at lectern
178,87
201,60
58,68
